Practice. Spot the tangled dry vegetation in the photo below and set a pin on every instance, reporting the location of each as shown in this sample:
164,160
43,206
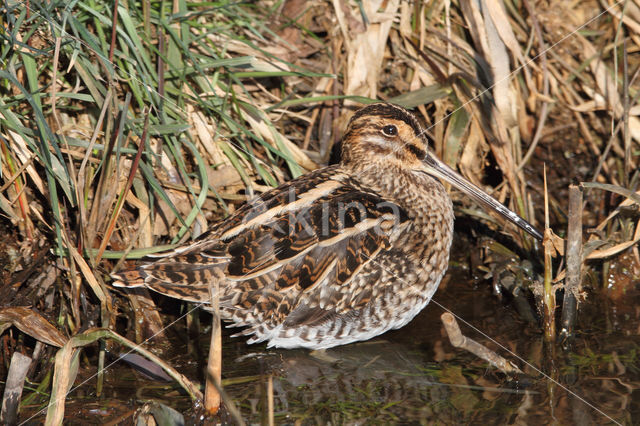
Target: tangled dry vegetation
116,144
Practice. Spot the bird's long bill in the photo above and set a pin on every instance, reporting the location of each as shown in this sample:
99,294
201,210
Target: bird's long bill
439,169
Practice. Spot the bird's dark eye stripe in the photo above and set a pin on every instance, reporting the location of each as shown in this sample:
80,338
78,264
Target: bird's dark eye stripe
416,151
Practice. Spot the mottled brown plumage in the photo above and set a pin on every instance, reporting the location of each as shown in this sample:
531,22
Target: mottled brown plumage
339,255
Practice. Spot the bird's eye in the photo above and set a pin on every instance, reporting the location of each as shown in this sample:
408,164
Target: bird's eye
390,130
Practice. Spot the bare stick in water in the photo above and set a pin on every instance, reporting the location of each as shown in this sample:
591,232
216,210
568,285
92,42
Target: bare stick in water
214,364
459,340
574,263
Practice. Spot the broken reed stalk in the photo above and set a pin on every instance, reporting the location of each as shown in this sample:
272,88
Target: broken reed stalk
548,297
100,374
13,388
270,400
459,340
214,364
574,264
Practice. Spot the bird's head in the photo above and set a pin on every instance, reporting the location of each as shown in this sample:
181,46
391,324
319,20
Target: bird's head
387,134
384,136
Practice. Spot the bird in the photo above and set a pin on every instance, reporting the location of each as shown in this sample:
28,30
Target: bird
338,255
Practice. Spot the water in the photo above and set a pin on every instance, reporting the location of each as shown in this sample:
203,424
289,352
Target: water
412,375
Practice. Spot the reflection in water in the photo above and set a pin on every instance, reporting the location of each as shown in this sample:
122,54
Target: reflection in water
413,375
371,380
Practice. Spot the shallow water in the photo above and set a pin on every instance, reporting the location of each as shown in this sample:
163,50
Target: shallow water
412,375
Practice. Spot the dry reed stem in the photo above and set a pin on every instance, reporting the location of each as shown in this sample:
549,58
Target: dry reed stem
549,297
213,375
574,264
270,400
66,368
13,386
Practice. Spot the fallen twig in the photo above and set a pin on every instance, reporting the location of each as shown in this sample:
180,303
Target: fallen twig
458,340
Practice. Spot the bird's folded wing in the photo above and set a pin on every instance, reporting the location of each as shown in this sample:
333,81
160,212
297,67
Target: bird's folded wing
299,265
289,255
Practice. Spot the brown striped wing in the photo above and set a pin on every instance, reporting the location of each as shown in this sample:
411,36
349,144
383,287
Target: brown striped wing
288,255
300,265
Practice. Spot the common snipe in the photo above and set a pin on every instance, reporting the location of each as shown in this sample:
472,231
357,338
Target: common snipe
338,255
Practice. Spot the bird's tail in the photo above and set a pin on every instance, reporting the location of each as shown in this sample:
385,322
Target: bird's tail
130,278
177,278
